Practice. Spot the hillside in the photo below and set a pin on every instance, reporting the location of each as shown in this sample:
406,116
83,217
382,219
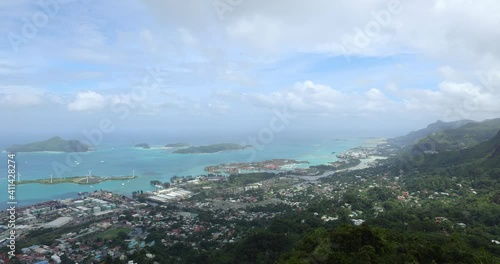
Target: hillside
52,144
460,138
413,137
486,155
490,151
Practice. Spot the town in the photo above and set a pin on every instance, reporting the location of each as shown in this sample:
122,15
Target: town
210,212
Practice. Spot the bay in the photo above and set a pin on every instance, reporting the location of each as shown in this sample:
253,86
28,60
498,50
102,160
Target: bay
157,163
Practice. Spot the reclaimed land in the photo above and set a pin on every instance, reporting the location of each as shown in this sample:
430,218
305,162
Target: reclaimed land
77,180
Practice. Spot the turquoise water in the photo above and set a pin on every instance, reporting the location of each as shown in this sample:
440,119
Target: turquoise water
149,164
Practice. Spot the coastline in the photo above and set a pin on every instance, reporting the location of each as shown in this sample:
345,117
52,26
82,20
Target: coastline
153,165
42,152
365,163
82,180
366,153
376,141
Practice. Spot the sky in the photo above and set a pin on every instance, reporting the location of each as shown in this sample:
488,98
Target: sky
232,68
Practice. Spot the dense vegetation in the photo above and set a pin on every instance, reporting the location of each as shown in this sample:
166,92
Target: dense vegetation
413,137
442,221
462,137
417,207
452,216
52,144
485,156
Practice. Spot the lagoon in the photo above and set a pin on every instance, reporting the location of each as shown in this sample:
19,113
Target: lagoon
157,163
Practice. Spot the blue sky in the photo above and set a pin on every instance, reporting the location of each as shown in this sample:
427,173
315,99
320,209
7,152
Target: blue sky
224,67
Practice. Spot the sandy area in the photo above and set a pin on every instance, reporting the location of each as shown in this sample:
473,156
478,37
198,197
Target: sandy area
365,163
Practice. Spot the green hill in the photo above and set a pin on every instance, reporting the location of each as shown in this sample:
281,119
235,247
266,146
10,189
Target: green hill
460,138
485,155
413,137
52,144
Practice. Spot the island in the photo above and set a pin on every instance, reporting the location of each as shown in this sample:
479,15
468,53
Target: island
78,180
266,165
55,144
142,145
210,148
177,145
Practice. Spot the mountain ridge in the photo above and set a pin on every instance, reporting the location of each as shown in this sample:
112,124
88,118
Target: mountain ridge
414,136
459,138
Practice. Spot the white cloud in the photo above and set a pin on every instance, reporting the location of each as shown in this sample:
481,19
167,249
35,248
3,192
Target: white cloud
258,48
438,28
450,101
88,101
19,96
376,101
187,37
150,41
447,72
453,101
317,99
20,100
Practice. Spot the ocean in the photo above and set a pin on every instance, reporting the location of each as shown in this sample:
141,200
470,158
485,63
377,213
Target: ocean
157,163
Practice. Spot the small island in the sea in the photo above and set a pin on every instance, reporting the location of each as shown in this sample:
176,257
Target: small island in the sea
177,145
77,180
142,145
210,148
56,144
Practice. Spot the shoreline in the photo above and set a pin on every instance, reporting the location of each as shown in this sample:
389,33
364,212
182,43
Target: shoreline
357,152
321,154
365,163
80,180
